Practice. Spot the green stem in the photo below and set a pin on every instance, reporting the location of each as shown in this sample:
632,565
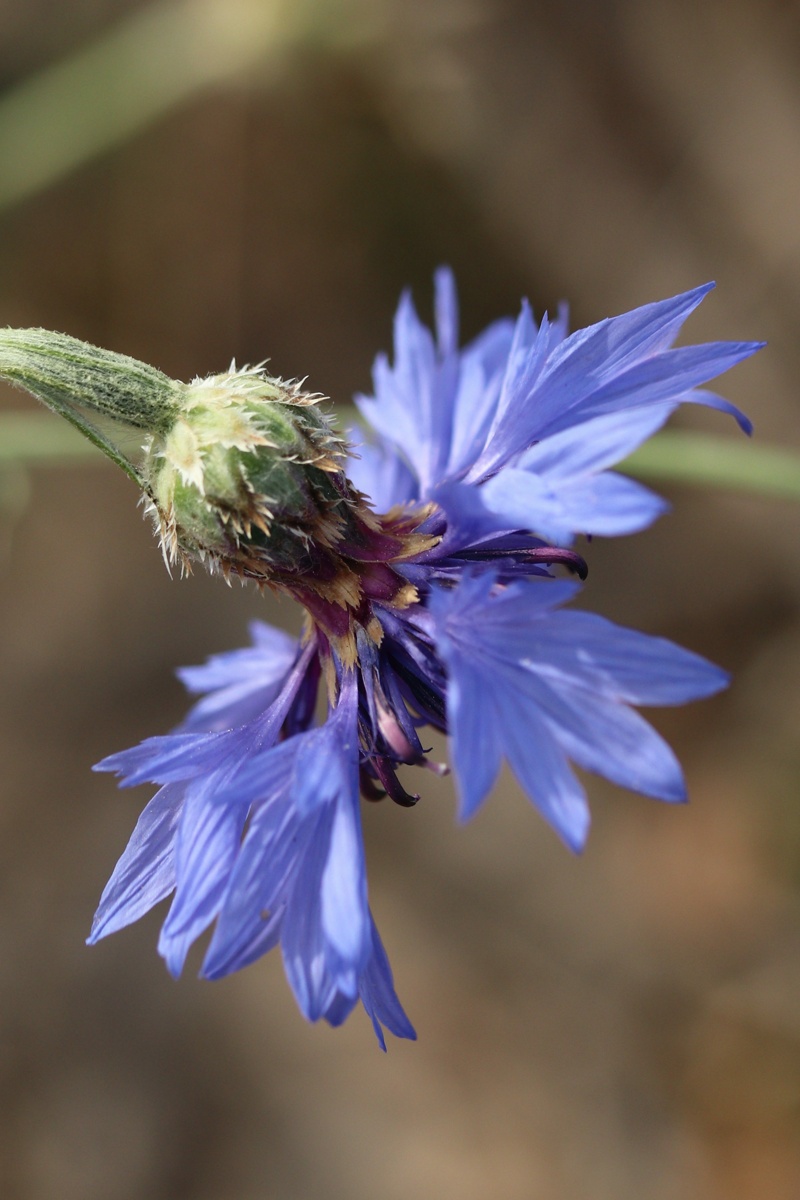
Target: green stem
151,61
697,458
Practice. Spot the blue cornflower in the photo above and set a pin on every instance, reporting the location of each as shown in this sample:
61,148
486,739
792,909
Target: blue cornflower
424,561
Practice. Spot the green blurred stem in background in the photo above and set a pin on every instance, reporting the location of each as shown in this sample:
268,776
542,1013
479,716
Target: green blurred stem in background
678,456
685,457
149,63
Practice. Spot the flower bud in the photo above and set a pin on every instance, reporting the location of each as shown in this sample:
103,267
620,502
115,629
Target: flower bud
241,472
248,477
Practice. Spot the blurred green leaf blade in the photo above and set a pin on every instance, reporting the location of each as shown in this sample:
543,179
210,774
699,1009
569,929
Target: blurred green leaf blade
696,458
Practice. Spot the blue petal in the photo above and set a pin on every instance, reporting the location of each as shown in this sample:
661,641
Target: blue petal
145,873
211,758
244,946
404,409
303,859
617,743
339,1009
491,347
622,363
241,683
327,768
260,877
208,841
170,758
612,344
594,445
446,311
322,773
343,892
604,504
376,989
477,740
474,408
534,393
609,505
216,757
380,473
490,716
471,414
477,393
178,757
599,734
343,889
469,518
302,940
265,662
325,937
664,377
546,684
712,400
258,885
511,429
621,664
540,766
568,647
414,401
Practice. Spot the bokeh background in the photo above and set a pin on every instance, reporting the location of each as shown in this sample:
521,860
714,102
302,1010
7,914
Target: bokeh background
191,182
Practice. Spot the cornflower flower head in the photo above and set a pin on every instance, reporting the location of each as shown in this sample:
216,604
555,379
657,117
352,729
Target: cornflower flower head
426,559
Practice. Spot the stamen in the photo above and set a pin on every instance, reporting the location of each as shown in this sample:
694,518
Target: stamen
394,788
368,789
544,555
394,736
553,556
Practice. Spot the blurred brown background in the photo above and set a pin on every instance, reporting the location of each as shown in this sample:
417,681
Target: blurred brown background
617,1027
